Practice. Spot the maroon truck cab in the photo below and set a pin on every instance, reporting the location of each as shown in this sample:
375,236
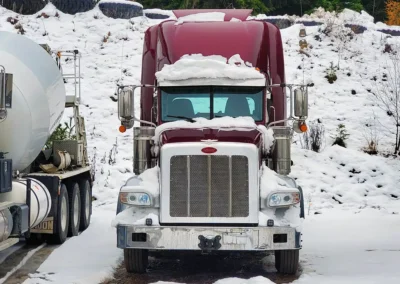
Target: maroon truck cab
212,155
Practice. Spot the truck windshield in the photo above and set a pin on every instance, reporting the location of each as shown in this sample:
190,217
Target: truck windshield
209,102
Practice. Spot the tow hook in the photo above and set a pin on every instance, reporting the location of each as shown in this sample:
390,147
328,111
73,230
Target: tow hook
209,243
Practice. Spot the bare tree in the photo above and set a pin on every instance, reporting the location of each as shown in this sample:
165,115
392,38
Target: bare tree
387,93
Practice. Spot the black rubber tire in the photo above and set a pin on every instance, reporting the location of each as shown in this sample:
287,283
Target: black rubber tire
84,187
26,7
302,209
74,6
136,260
287,261
61,233
74,199
120,11
156,16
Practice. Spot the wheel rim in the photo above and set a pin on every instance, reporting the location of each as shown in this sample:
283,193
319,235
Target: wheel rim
87,205
64,213
76,211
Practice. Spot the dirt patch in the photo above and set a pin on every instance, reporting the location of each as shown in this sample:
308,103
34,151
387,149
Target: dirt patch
205,269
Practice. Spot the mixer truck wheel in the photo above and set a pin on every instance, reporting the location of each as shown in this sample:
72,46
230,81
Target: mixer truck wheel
62,217
86,203
120,10
75,209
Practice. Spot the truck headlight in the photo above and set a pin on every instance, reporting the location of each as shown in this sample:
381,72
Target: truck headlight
283,199
138,199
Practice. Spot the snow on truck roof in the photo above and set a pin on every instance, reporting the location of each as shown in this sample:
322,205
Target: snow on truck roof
224,14
197,69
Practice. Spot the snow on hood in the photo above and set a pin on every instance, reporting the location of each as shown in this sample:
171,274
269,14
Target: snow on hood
149,180
197,66
222,123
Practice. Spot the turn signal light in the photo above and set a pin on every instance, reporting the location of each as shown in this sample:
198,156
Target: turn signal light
303,127
209,150
122,129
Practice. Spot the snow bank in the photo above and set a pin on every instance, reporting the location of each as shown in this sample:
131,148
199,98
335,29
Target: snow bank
50,10
197,66
271,181
125,2
202,17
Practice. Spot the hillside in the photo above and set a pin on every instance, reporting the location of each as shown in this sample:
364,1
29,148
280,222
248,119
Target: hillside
339,183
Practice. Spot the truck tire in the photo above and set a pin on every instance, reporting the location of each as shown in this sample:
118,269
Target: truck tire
86,203
136,260
61,220
302,210
74,6
120,10
25,7
287,261
74,209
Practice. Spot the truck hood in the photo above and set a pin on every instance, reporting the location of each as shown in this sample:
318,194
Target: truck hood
197,135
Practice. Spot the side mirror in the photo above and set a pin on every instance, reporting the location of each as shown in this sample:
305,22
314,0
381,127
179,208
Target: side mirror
301,103
126,106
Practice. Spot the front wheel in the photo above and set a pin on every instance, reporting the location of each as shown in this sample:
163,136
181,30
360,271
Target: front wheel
287,261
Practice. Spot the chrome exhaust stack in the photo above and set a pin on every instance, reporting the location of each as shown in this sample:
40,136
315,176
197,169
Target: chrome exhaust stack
281,154
142,144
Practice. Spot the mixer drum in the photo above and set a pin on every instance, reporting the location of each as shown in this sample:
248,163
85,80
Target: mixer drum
38,99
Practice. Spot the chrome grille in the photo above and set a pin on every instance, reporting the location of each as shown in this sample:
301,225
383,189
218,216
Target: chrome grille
209,186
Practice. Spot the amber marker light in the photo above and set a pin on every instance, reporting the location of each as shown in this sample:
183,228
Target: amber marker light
122,129
303,127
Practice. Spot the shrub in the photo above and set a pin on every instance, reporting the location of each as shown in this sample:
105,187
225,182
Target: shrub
331,74
341,136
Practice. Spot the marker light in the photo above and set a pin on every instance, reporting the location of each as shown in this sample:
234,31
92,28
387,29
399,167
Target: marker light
303,127
122,129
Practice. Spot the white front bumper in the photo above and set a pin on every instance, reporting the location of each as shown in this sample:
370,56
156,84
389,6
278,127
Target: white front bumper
230,238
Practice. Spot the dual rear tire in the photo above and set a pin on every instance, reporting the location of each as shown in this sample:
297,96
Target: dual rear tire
73,211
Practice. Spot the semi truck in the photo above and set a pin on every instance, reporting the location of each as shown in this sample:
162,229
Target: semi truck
45,184
212,143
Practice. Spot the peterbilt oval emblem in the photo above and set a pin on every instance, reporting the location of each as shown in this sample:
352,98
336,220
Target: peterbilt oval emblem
209,150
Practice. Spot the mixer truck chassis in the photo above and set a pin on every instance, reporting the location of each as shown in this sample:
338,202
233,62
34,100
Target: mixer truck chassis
45,184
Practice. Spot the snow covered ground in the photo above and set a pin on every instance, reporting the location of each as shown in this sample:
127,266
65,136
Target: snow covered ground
352,227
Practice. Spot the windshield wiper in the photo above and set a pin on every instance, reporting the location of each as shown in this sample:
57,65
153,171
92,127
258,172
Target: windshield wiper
182,117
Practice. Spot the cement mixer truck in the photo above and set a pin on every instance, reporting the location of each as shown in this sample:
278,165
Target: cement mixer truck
45,185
